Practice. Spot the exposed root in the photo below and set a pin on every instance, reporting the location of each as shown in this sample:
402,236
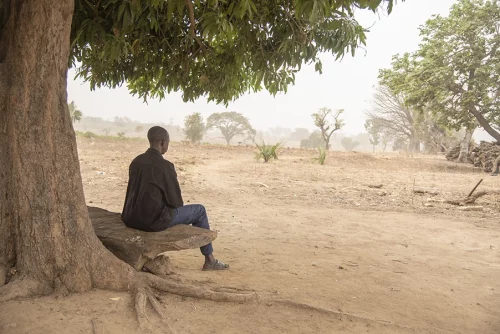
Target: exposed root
231,289
340,315
140,309
145,294
186,290
97,326
23,287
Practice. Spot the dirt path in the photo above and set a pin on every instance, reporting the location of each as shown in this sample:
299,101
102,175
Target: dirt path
364,270
408,269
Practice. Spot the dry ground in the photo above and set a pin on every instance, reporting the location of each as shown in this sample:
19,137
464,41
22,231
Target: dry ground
371,260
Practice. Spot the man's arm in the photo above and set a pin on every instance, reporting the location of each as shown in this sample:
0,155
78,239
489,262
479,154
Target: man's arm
173,190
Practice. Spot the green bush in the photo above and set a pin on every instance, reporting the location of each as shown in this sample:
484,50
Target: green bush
267,152
89,135
321,155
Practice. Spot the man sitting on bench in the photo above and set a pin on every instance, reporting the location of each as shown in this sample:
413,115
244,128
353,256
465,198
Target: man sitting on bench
154,202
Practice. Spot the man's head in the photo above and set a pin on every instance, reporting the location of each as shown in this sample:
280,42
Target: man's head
159,139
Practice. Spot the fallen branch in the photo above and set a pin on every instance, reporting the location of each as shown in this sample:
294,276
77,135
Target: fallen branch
471,199
474,189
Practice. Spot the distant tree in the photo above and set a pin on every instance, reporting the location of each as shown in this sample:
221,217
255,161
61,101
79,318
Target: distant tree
400,144
326,126
373,132
74,112
435,137
139,128
299,134
121,134
231,124
194,127
390,113
106,131
315,140
121,121
280,132
349,144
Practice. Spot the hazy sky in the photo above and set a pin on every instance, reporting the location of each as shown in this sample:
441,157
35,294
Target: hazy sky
347,84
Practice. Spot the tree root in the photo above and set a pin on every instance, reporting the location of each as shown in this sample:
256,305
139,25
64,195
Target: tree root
142,297
186,290
352,317
23,287
145,294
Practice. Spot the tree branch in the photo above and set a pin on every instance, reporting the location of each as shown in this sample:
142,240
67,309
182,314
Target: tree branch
192,26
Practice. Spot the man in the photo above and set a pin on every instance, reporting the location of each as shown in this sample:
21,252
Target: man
154,202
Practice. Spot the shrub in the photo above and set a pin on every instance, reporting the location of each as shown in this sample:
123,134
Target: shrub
89,135
267,152
321,155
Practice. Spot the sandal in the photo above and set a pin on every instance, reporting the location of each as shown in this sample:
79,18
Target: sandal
217,265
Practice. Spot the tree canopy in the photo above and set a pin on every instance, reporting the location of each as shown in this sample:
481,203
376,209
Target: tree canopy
231,124
194,127
456,70
75,113
217,48
326,126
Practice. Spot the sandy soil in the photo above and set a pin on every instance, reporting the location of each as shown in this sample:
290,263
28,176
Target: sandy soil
369,260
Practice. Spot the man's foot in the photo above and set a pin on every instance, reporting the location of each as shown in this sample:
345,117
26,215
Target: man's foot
217,265
494,174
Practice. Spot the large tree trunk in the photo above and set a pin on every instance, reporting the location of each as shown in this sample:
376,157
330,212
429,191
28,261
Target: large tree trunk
463,157
45,232
485,125
414,146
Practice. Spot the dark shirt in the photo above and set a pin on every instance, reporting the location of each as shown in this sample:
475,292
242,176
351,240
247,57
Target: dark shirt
153,193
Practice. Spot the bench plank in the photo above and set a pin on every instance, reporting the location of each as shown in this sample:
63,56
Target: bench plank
138,247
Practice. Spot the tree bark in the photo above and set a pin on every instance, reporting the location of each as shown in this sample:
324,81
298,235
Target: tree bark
485,125
45,231
414,144
463,157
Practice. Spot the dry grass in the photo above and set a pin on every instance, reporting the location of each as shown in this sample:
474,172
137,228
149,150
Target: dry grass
344,180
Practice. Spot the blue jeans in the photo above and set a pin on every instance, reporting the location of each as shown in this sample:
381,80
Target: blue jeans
196,215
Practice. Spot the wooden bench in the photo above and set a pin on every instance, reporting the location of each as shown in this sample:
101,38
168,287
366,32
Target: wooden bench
139,248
